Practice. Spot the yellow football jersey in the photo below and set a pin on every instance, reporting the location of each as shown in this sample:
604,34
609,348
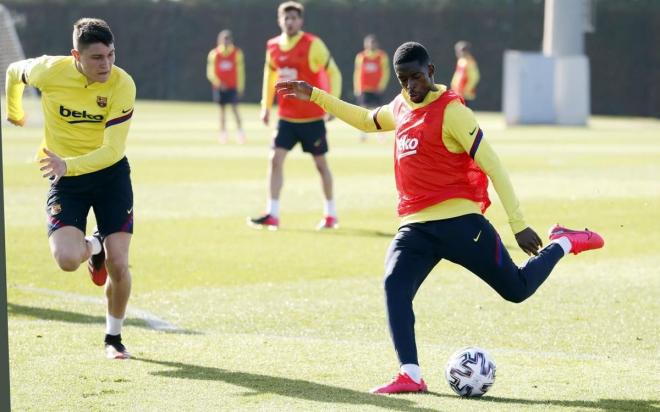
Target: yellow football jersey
85,124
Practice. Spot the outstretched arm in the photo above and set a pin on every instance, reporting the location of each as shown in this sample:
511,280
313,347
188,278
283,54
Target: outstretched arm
380,119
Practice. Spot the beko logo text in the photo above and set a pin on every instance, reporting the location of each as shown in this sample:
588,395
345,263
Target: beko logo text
80,117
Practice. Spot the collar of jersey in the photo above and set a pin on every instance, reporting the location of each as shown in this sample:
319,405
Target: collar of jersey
430,97
81,77
370,53
287,43
225,50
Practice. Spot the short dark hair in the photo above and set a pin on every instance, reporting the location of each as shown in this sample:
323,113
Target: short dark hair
87,31
290,5
463,46
411,52
226,34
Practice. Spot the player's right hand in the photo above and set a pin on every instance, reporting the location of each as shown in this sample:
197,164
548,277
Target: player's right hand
265,116
19,123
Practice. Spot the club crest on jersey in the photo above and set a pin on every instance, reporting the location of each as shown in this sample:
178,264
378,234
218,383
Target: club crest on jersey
55,209
406,146
101,101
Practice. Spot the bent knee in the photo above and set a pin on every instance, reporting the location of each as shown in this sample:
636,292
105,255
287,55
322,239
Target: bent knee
67,262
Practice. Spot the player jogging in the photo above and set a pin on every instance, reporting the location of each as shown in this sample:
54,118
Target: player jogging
293,55
225,70
88,105
442,164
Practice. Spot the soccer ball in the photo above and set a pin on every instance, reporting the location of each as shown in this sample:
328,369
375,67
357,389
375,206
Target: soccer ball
470,371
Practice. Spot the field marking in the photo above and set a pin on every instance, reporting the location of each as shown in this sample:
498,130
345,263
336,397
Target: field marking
152,320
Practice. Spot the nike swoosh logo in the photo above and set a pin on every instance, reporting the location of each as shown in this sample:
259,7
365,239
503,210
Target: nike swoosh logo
478,235
129,211
473,130
127,110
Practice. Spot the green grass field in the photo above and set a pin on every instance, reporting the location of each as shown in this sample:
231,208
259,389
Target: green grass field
294,319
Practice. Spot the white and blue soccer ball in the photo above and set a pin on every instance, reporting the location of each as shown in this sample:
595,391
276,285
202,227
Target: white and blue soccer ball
470,372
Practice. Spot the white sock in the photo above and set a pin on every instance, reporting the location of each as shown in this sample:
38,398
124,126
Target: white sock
113,325
413,371
565,244
96,244
273,207
329,208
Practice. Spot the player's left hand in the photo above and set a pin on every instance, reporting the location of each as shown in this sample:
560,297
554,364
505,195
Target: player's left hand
294,88
529,241
329,117
53,166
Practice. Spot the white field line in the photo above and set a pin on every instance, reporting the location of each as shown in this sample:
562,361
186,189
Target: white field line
152,320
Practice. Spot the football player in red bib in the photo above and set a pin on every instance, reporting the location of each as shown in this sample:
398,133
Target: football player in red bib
442,163
297,55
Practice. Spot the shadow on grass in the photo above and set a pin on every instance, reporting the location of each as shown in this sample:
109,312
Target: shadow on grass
293,388
600,404
344,231
73,317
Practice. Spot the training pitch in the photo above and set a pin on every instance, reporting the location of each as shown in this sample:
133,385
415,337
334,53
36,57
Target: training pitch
224,317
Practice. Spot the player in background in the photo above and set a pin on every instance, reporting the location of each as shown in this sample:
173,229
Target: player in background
88,105
293,55
466,76
370,77
442,162
225,69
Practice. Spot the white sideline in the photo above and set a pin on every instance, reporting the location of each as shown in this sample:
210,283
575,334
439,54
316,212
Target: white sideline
152,320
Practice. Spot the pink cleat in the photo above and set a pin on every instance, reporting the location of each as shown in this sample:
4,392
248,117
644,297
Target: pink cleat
581,240
265,221
401,384
240,137
328,222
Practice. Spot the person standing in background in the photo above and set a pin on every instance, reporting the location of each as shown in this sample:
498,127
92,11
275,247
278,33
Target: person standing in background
370,77
225,69
466,76
297,55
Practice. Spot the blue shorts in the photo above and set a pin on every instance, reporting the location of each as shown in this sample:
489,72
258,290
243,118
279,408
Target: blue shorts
225,96
311,136
108,192
370,100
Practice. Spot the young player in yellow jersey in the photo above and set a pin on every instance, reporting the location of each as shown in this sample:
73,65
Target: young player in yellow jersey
88,105
466,76
295,54
442,164
370,76
225,70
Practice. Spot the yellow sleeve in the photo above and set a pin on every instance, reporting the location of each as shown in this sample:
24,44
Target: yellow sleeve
320,59
377,120
472,75
240,71
357,84
210,69
385,66
268,87
114,137
22,73
461,133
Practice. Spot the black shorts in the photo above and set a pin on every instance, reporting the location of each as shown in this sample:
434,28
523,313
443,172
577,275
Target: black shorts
225,96
370,100
311,136
108,191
